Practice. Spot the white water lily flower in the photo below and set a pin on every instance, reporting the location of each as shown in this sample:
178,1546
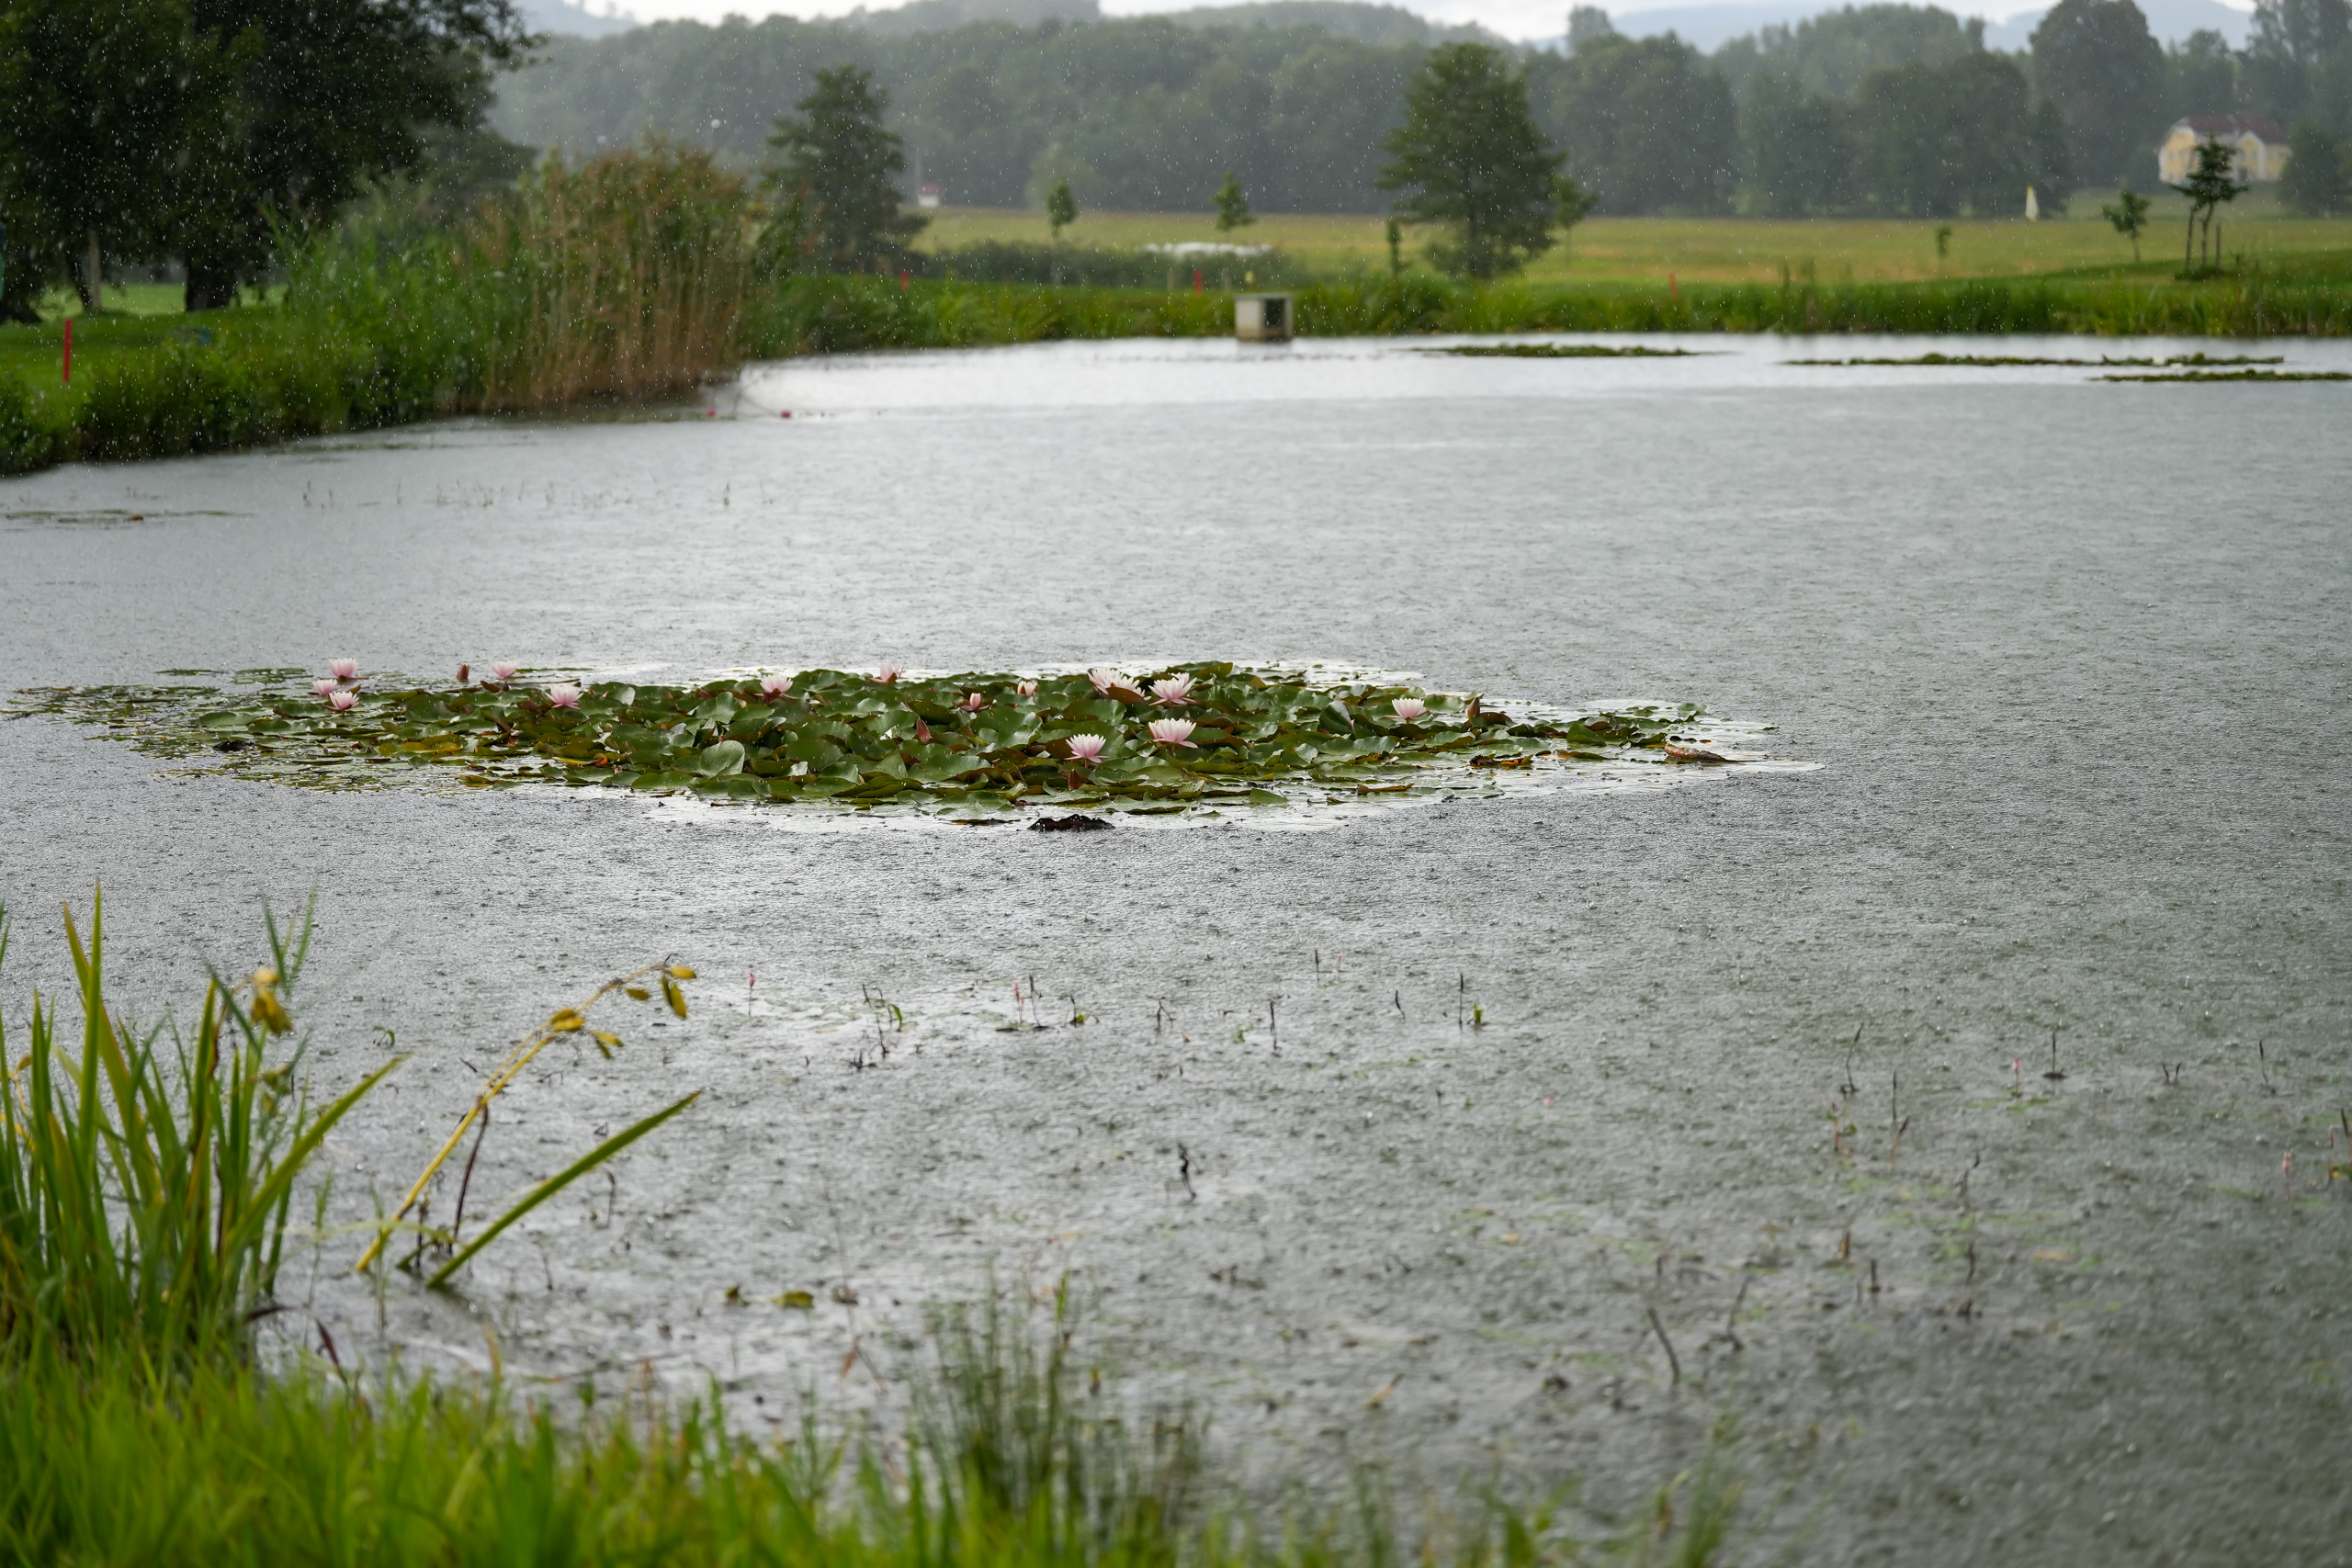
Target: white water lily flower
503,670
775,685
973,702
1086,748
324,688
1025,688
344,669
1105,679
1173,689
1409,708
563,695
1172,732
887,674
343,701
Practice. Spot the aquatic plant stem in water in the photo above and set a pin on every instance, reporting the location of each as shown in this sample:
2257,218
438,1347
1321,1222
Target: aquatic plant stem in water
562,1022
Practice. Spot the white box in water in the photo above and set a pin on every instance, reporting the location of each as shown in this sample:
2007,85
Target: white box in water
1264,317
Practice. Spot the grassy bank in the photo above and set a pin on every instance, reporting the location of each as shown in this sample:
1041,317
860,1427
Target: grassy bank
838,315
630,278
622,280
146,1182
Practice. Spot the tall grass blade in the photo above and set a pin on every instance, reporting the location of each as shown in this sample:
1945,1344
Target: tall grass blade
558,1182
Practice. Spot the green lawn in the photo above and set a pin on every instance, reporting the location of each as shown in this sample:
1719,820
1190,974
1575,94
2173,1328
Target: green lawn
1721,250
130,300
37,353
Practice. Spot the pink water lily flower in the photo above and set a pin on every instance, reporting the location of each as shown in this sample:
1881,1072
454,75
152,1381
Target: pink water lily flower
343,701
1105,679
503,670
1173,689
887,674
563,695
1172,732
1086,748
344,669
1409,708
973,702
775,685
324,688
1025,688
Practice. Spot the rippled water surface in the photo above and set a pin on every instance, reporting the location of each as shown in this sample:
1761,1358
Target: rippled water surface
2071,655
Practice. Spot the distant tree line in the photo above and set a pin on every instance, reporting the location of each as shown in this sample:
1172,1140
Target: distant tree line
1863,108
201,132
197,133
1888,109
1468,161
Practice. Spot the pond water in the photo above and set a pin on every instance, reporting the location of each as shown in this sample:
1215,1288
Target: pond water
2071,656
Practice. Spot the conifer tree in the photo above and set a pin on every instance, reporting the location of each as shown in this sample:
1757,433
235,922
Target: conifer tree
835,180
1470,160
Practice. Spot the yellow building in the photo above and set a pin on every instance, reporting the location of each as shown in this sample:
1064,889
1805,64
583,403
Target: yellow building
2259,146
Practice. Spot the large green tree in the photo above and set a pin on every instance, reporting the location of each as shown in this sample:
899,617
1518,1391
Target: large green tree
102,99
2200,78
2299,61
328,96
835,175
1470,159
1830,53
1966,137
200,129
1800,148
1650,125
2097,61
2319,172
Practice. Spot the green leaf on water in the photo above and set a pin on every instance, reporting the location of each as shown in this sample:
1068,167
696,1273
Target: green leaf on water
842,737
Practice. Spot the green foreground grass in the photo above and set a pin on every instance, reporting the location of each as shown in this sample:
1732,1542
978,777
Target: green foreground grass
146,1181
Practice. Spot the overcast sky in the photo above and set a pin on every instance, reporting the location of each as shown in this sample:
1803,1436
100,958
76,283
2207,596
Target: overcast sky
1512,18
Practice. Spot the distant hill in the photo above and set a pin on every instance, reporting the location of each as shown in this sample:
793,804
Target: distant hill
1711,27
944,16
567,19
1362,20
1382,26
2171,20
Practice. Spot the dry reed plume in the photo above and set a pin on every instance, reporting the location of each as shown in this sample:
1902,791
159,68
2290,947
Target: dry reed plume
623,278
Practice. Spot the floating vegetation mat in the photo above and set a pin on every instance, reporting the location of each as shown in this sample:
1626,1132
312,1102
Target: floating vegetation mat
1187,740
2239,376
1557,351
1982,361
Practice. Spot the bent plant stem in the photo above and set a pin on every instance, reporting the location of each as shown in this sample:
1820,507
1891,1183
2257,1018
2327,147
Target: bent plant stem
558,1182
565,1020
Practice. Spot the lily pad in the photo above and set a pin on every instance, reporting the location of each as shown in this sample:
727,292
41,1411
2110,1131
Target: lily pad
974,744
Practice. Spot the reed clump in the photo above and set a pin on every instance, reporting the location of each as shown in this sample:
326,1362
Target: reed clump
623,278
146,1176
